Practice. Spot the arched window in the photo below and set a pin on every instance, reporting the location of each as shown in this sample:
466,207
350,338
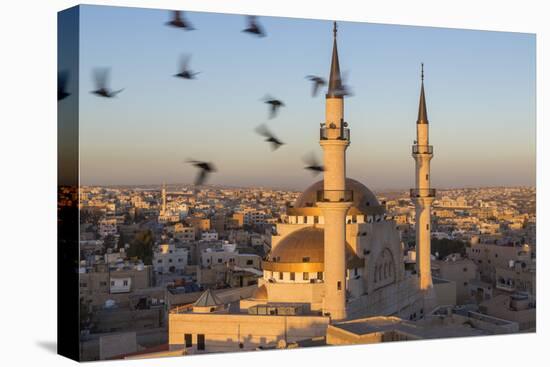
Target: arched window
385,270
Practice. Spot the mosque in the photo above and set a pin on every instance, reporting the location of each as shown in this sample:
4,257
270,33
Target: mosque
335,257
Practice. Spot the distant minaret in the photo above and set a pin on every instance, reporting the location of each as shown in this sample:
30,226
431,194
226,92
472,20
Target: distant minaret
334,200
423,195
163,193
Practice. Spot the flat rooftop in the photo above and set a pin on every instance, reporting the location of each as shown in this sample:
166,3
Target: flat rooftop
382,324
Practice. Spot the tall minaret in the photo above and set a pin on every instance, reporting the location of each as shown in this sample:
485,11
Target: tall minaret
334,200
423,195
163,194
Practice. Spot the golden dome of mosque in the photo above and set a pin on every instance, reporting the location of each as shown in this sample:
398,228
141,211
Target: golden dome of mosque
304,250
364,200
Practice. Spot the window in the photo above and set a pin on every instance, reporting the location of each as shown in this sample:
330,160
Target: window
292,276
200,342
305,259
465,269
103,284
339,285
249,262
465,284
188,340
219,261
83,285
281,275
125,283
305,276
320,275
355,271
427,177
427,226
112,283
169,260
180,260
159,261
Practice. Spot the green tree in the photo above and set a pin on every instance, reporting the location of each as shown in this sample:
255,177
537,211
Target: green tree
142,247
445,247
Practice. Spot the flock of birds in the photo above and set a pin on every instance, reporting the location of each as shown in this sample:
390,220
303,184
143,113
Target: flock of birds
253,27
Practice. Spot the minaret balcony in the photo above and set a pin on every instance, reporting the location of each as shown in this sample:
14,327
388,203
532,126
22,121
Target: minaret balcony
422,149
332,132
422,193
335,196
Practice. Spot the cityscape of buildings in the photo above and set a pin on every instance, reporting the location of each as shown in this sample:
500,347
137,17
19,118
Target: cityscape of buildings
215,239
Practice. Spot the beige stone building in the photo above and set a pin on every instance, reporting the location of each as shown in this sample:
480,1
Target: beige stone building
459,270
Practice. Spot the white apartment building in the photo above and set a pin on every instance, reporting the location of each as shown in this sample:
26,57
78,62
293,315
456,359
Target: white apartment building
229,255
107,226
168,258
209,236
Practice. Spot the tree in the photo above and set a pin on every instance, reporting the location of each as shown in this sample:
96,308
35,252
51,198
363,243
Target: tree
445,247
142,247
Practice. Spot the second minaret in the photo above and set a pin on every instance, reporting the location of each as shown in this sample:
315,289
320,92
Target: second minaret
423,195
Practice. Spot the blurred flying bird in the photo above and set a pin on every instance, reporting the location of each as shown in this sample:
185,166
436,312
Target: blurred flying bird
275,104
253,27
270,138
101,78
345,90
317,82
179,21
62,78
185,72
313,164
205,169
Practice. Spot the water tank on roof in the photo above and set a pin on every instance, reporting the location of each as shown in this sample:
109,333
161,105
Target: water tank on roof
229,247
110,303
140,267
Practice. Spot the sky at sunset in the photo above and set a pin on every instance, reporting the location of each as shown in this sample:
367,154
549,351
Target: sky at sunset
480,90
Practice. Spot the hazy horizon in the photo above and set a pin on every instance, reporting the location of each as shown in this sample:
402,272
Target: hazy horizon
480,91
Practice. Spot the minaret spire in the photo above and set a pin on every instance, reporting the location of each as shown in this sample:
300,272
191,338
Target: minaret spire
335,80
422,112
423,195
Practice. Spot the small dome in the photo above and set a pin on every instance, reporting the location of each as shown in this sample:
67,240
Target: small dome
364,200
306,245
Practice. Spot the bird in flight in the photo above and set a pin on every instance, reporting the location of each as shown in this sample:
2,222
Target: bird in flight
253,27
101,77
344,90
185,72
312,164
275,105
317,82
178,21
62,78
205,168
270,138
